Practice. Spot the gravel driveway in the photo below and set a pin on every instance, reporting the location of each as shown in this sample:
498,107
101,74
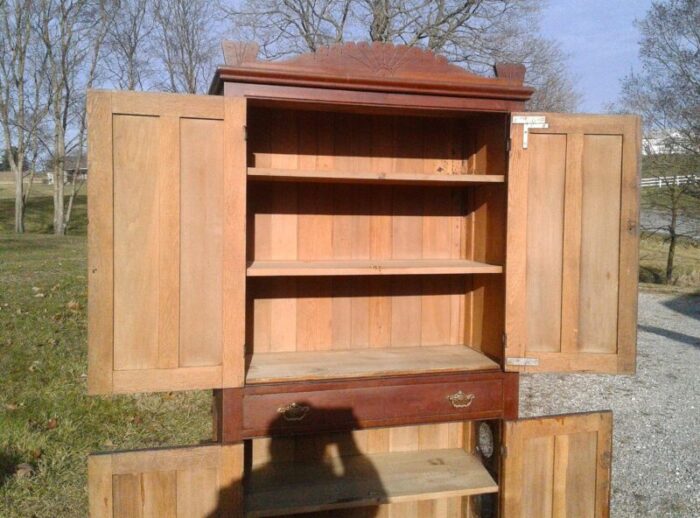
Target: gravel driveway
656,448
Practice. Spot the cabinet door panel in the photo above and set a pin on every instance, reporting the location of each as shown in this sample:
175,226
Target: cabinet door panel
199,482
166,214
557,466
572,245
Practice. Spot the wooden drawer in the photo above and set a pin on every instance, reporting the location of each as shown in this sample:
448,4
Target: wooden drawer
284,409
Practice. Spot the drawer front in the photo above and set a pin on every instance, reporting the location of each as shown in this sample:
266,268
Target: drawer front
362,406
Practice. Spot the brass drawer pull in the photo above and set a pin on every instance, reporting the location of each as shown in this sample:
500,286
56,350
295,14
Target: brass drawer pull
461,400
293,412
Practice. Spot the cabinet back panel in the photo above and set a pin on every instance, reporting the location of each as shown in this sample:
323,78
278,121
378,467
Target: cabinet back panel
308,221
341,313
294,139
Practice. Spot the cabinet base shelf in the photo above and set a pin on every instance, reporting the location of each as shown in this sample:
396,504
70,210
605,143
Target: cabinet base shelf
359,363
364,480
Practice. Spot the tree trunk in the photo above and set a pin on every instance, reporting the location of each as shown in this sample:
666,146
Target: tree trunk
19,201
671,247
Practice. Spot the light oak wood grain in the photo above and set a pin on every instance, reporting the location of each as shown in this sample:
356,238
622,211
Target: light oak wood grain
197,482
365,480
274,367
557,466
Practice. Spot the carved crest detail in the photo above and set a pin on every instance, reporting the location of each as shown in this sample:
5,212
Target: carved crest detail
376,59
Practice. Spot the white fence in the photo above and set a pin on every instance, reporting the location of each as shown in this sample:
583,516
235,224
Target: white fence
662,181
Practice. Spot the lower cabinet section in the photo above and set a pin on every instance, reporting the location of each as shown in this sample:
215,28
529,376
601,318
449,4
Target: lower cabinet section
555,466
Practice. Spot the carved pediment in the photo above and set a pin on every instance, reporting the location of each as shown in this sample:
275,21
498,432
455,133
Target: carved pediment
377,59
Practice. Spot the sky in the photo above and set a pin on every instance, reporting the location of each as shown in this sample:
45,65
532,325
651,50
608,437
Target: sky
602,42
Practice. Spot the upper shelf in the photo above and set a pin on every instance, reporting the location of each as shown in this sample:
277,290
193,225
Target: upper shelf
299,175
370,267
364,480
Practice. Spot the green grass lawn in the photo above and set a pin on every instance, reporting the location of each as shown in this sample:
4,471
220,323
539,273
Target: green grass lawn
46,419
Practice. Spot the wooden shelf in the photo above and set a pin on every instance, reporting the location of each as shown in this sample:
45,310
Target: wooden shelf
364,480
369,267
300,175
359,363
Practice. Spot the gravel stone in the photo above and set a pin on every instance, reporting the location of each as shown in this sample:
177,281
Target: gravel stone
656,412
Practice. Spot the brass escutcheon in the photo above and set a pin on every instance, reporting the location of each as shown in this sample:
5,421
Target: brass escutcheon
293,411
461,400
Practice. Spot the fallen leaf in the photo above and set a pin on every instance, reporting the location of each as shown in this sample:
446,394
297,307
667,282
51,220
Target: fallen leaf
37,453
52,423
35,289
108,443
10,406
24,470
34,366
39,295
73,305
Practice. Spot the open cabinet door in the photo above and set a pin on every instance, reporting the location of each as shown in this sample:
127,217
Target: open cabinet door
572,244
198,482
556,467
166,209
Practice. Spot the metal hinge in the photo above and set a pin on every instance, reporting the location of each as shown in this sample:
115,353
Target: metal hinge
245,133
530,121
504,339
523,362
504,451
508,144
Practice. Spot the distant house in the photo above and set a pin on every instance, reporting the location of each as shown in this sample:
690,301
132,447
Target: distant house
70,168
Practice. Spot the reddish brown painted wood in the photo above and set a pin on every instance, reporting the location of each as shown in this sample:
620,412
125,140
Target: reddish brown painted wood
227,413
374,68
357,404
511,390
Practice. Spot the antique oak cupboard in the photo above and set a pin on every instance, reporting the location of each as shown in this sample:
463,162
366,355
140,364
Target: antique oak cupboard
359,250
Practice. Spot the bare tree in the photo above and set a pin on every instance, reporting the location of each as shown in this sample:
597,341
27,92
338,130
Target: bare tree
666,93
21,102
472,33
287,27
185,41
72,32
126,56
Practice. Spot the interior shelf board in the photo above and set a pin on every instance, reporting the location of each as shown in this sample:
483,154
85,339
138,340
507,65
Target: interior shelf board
370,267
308,175
358,363
363,480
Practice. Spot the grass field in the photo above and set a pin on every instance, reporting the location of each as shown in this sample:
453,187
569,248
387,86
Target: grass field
47,423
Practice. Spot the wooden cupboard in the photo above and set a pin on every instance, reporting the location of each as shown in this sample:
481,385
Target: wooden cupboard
358,250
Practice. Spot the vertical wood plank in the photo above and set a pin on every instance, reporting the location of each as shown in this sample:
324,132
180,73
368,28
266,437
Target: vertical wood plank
629,246
100,244
600,250
128,497
136,241
575,475
168,177
159,494
516,245
545,217
234,243
197,493
100,486
201,224
571,257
